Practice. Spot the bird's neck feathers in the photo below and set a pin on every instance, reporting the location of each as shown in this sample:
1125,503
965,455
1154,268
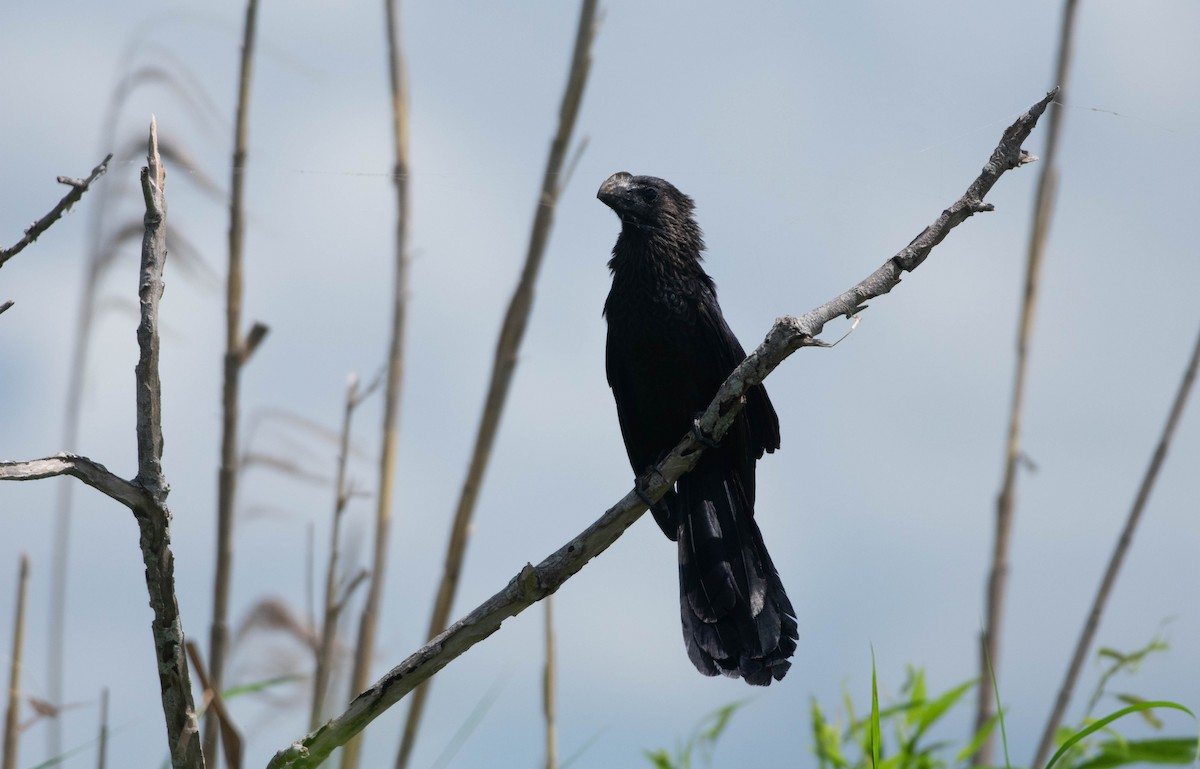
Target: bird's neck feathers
667,248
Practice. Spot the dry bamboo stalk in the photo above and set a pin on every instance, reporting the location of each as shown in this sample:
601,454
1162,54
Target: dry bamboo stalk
332,606
12,719
505,363
997,583
235,357
1118,556
368,622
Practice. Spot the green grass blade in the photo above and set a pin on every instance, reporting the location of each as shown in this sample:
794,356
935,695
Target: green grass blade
999,710
936,709
977,741
1164,750
875,733
1103,722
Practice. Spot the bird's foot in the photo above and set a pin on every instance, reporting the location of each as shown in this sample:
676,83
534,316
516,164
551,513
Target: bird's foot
641,485
703,438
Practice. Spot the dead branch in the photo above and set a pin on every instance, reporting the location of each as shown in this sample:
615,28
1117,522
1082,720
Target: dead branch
532,584
78,187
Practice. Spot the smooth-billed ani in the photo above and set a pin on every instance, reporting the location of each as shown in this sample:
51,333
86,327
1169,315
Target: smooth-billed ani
669,349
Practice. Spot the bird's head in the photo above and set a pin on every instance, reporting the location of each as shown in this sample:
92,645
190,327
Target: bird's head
646,202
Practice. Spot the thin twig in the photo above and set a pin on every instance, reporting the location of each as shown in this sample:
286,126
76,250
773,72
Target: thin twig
549,701
78,187
92,473
507,347
102,740
787,335
989,642
332,607
1118,556
12,714
364,652
236,353
231,738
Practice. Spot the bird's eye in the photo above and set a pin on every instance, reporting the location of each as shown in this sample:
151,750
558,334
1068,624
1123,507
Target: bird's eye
649,194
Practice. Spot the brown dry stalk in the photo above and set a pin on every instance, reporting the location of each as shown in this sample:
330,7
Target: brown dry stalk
1118,556
505,363
549,701
989,642
369,620
12,715
235,357
333,604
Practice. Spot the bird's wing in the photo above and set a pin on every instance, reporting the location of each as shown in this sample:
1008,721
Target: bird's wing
726,352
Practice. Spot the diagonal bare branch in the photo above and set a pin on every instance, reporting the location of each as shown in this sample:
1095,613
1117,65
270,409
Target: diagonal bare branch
92,473
535,583
78,187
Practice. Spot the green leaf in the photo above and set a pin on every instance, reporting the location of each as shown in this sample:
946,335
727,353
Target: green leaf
936,709
1167,750
916,689
1103,722
659,758
720,719
258,686
977,741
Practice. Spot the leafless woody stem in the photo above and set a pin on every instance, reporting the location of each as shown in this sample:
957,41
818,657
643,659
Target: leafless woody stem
333,603
535,583
505,362
146,494
78,187
12,714
237,351
365,648
989,646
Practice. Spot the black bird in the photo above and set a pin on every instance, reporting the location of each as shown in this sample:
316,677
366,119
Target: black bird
669,349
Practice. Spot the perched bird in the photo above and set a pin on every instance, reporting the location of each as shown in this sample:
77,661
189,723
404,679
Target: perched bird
669,349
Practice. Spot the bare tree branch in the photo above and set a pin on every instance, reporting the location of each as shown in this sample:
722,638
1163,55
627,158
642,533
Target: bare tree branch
534,583
154,519
146,494
92,473
78,187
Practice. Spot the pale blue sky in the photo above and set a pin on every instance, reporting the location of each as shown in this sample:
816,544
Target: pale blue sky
817,139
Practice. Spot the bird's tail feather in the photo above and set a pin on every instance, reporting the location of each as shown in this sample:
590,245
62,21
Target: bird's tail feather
737,619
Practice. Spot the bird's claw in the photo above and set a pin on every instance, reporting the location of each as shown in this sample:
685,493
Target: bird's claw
702,437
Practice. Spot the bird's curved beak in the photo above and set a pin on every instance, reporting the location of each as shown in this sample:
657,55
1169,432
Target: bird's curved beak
614,189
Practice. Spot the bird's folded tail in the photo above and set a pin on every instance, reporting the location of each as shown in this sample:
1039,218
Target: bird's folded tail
737,619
